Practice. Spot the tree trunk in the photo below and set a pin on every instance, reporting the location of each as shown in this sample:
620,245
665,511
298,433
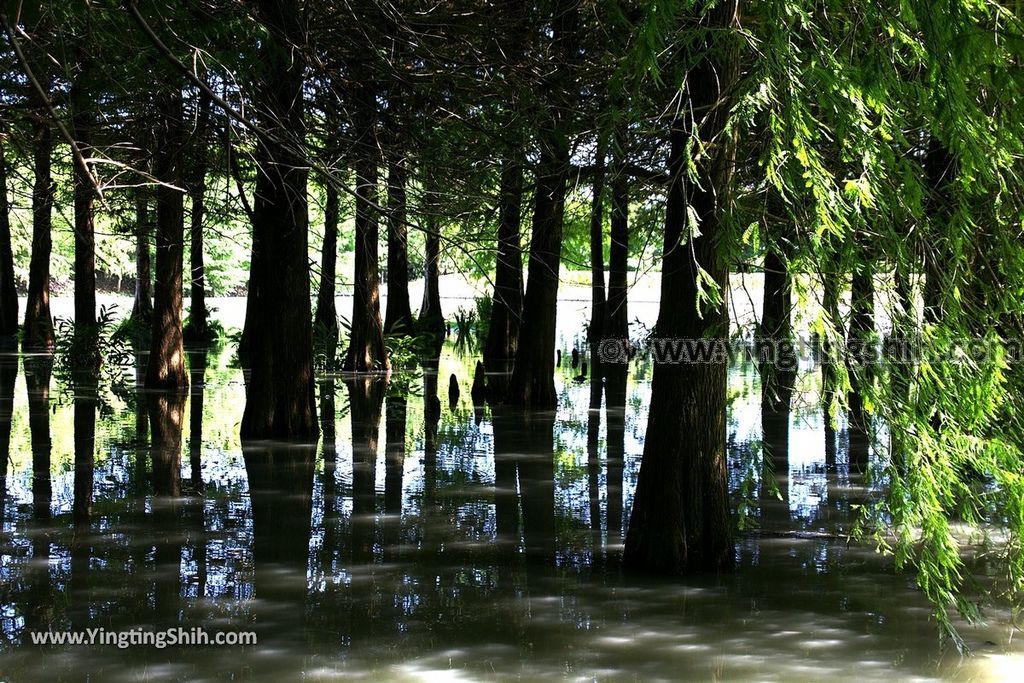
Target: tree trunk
860,338
166,368
85,233
507,302
616,326
776,353
8,292
143,306
198,313
366,352
680,519
280,400
533,377
431,320
617,311
598,295
38,322
326,323
533,382
398,319
829,357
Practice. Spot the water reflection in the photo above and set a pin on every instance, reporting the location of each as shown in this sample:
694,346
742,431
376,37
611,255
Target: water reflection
459,543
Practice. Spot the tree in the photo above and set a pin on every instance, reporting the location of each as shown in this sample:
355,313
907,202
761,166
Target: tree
398,319
38,330
166,369
366,352
280,400
680,520
8,293
532,383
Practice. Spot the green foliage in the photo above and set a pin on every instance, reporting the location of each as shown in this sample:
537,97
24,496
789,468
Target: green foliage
91,357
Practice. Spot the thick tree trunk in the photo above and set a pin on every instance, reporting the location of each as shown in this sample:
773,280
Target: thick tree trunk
166,368
280,400
325,325
366,352
198,313
776,353
507,301
8,292
533,383
680,520
143,305
85,232
533,377
860,340
38,322
398,319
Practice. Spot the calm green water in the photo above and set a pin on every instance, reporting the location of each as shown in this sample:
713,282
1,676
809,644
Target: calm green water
410,546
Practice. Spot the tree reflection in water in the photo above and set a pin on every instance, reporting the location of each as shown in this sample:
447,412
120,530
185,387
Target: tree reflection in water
480,541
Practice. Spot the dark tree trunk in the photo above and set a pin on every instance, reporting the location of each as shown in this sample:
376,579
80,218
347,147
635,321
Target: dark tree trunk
280,400
860,339
431,320
8,292
533,377
507,302
775,438
198,313
617,309
398,319
38,322
598,294
533,382
325,324
680,520
143,306
166,368
776,353
366,352
829,356
85,232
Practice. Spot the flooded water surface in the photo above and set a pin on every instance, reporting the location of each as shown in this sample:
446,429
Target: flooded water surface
424,538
